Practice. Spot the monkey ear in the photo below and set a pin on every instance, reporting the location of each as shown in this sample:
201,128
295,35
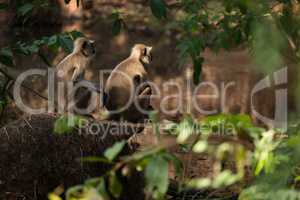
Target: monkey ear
85,43
144,51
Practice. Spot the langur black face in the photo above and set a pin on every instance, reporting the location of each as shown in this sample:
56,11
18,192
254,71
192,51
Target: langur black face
146,55
88,48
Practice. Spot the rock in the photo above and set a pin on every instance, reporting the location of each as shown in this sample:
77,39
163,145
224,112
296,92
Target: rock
34,160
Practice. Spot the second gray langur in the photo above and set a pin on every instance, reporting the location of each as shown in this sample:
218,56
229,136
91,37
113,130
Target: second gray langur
124,81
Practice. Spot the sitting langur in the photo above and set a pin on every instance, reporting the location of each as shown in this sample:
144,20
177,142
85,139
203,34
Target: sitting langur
128,83
71,70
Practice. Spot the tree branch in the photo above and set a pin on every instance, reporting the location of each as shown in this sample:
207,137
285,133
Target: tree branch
23,85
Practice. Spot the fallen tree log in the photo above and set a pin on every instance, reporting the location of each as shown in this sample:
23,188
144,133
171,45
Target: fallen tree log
34,160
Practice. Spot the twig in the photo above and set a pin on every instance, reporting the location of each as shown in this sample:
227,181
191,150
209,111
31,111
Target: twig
23,85
2,112
27,123
6,133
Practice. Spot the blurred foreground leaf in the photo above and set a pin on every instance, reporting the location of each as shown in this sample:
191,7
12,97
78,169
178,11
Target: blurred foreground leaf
113,151
115,186
116,27
66,124
156,174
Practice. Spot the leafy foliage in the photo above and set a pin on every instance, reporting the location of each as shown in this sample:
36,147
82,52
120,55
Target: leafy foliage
156,175
64,41
264,153
154,162
274,160
279,182
228,24
26,9
112,152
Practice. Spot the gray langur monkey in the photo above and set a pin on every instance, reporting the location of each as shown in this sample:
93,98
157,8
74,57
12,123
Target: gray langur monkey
71,70
128,83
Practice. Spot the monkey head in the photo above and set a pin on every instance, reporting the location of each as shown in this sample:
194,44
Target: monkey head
84,46
142,52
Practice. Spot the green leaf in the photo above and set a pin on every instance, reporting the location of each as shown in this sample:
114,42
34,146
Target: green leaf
3,6
61,125
66,124
264,152
53,196
6,57
33,48
225,178
99,184
297,178
74,191
6,52
183,53
141,155
200,147
116,27
66,43
93,182
76,34
195,46
113,151
185,129
115,187
199,183
24,9
95,159
158,8
197,69
52,40
22,49
156,174
3,102
153,116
